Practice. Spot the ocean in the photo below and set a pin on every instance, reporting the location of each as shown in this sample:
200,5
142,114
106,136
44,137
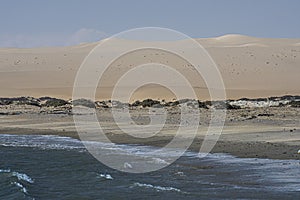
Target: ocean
54,167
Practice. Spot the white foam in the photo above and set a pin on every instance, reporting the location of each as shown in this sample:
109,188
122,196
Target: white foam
157,188
106,176
179,173
160,161
58,142
127,165
22,177
4,170
146,153
40,141
23,189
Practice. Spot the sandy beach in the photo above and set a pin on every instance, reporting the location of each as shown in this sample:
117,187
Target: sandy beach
271,132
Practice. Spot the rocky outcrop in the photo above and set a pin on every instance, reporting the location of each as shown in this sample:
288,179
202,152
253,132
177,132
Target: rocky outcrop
149,103
5,101
223,105
84,102
294,104
53,102
54,105
101,104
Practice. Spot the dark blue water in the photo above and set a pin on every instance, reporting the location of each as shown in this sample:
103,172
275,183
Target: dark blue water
51,167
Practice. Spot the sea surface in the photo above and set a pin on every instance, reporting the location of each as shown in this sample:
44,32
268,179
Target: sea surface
53,167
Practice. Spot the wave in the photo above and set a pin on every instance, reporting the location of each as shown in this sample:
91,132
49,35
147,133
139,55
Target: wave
105,176
23,189
157,188
65,143
159,161
151,155
49,142
18,175
22,177
4,170
41,141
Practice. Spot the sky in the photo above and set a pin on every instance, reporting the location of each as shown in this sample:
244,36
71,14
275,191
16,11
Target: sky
35,23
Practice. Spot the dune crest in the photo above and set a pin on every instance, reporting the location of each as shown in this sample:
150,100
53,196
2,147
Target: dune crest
234,38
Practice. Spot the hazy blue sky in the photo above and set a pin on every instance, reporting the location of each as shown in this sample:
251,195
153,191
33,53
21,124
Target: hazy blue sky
27,23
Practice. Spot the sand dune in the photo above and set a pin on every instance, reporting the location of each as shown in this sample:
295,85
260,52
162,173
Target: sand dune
245,45
250,67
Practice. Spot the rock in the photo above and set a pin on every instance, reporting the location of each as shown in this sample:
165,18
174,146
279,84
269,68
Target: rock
136,103
265,115
192,103
84,102
149,102
294,104
5,101
26,101
20,101
53,102
290,98
202,105
208,103
171,103
232,107
224,105
101,104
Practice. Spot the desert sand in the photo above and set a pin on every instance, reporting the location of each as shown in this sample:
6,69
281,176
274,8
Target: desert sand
250,67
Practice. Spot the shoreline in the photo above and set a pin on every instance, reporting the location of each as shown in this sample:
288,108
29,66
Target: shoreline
240,149
252,129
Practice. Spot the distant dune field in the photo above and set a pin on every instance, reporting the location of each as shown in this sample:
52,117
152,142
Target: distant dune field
250,67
